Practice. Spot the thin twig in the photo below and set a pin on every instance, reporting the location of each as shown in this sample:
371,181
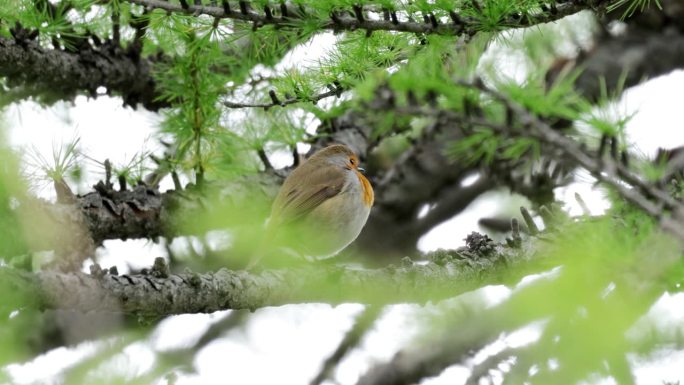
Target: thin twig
362,324
315,99
264,159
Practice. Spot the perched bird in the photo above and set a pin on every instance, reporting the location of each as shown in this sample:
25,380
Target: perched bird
323,204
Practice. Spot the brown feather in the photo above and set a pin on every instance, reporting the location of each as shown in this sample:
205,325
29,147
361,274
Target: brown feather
293,202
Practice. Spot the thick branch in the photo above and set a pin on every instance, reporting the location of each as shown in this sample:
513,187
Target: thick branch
55,74
628,57
482,263
137,213
145,212
340,21
632,55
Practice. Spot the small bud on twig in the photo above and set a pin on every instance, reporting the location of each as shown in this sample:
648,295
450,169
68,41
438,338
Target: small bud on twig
603,145
433,20
624,158
534,230
358,12
274,97
108,173
160,269
515,228
614,148
243,7
96,271
455,17
582,204
547,216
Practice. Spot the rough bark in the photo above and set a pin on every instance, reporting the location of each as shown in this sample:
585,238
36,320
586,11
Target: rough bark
338,21
54,74
158,293
142,211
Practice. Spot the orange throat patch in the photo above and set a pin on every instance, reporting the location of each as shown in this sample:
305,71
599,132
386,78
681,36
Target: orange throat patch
368,195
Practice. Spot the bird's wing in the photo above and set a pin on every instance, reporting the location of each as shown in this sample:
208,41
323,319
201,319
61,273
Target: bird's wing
293,202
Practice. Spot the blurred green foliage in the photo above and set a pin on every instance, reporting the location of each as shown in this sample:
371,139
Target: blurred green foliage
611,271
11,190
16,321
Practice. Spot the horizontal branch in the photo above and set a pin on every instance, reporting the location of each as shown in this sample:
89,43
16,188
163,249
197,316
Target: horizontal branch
142,211
54,74
158,294
341,21
282,103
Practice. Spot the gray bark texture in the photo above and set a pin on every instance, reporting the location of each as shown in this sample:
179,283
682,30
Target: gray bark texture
54,74
157,292
458,25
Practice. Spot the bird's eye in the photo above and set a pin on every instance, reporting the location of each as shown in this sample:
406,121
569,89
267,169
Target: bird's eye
352,161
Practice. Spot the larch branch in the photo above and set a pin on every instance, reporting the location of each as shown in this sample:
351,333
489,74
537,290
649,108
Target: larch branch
56,74
158,293
340,21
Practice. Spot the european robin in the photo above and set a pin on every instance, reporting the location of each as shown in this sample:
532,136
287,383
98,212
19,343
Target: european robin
323,204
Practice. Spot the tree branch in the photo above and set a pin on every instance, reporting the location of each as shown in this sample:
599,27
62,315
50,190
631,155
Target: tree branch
54,74
630,55
282,103
340,21
425,174
142,212
351,339
627,57
158,294
427,359
606,170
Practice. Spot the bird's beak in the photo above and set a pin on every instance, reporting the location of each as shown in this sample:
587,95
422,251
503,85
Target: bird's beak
363,170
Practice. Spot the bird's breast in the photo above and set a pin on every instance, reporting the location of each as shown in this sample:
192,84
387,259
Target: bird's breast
367,190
